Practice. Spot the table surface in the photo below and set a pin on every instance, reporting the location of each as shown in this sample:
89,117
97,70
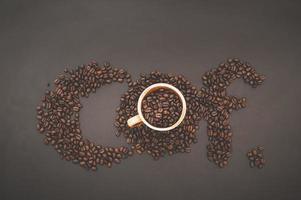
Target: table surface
38,39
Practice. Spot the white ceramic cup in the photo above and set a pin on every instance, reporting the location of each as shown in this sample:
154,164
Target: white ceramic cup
139,119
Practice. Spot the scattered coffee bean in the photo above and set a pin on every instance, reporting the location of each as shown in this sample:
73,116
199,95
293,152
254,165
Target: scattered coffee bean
256,158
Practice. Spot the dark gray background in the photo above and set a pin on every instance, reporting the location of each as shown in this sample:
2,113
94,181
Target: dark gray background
39,38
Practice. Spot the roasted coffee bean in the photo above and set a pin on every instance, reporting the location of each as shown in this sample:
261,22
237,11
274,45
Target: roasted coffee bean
256,158
58,115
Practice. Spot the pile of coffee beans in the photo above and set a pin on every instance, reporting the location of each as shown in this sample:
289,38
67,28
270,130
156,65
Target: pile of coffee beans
256,158
156,143
210,103
58,115
162,108
218,105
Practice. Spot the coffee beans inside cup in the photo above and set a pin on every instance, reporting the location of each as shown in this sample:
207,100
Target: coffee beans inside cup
162,108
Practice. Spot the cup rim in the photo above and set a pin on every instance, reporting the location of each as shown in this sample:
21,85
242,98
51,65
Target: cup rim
153,87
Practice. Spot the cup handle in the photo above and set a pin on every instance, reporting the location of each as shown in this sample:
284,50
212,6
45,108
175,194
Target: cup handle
134,121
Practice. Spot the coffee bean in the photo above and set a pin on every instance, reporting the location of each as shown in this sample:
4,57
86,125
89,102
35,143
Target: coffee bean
256,158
